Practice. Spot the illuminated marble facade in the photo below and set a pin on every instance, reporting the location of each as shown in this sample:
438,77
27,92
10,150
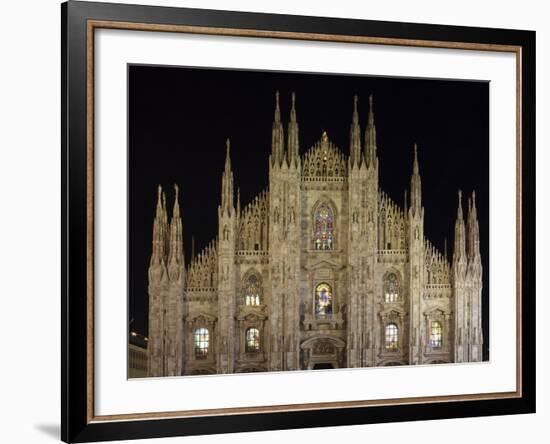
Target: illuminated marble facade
321,270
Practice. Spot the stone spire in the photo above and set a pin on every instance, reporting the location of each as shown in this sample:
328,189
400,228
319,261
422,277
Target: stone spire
176,261
355,136
277,136
293,139
459,251
238,202
370,138
227,184
473,230
159,231
416,186
157,264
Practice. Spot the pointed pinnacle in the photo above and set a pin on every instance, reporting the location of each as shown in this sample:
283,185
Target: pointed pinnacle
293,109
277,109
371,111
159,196
415,164
227,154
459,215
474,210
355,113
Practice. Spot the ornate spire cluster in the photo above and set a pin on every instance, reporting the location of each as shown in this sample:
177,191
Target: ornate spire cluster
391,223
437,265
203,270
253,230
466,245
279,156
167,260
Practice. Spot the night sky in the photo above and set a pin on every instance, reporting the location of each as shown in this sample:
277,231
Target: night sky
179,119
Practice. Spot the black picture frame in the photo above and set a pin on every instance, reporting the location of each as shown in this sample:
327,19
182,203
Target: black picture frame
77,423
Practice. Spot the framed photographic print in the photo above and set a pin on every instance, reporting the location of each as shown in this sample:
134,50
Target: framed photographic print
279,221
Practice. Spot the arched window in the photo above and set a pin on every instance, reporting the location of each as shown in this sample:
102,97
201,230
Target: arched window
436,334
323,299
392,336
252,340
252,290
323,238
391,288
202,340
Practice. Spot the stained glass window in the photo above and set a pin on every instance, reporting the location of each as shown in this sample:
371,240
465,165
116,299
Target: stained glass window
252,340
323,300
202,340
391,288
324,228
436,334
392,335
252,290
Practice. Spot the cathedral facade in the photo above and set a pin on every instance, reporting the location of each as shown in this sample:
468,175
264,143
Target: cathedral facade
321,270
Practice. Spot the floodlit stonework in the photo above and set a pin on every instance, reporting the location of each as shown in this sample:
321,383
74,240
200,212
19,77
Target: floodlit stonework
320,270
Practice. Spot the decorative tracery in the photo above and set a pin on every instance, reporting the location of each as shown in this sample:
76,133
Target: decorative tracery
253,229
324,160
252,290
391,288
323,238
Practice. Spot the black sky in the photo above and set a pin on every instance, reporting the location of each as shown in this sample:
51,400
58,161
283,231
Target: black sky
179,119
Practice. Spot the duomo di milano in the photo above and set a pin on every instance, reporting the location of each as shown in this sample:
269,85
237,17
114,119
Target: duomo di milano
320,270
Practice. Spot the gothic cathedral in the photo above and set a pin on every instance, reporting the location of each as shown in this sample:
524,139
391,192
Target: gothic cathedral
320,270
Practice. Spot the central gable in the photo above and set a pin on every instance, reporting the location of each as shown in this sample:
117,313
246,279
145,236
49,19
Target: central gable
324,159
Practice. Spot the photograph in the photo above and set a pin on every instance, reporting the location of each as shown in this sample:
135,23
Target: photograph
296,221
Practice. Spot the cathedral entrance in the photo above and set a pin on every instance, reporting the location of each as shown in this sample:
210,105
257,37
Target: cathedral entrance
322,366
322,352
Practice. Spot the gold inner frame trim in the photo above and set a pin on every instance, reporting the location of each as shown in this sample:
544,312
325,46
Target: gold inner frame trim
92,25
